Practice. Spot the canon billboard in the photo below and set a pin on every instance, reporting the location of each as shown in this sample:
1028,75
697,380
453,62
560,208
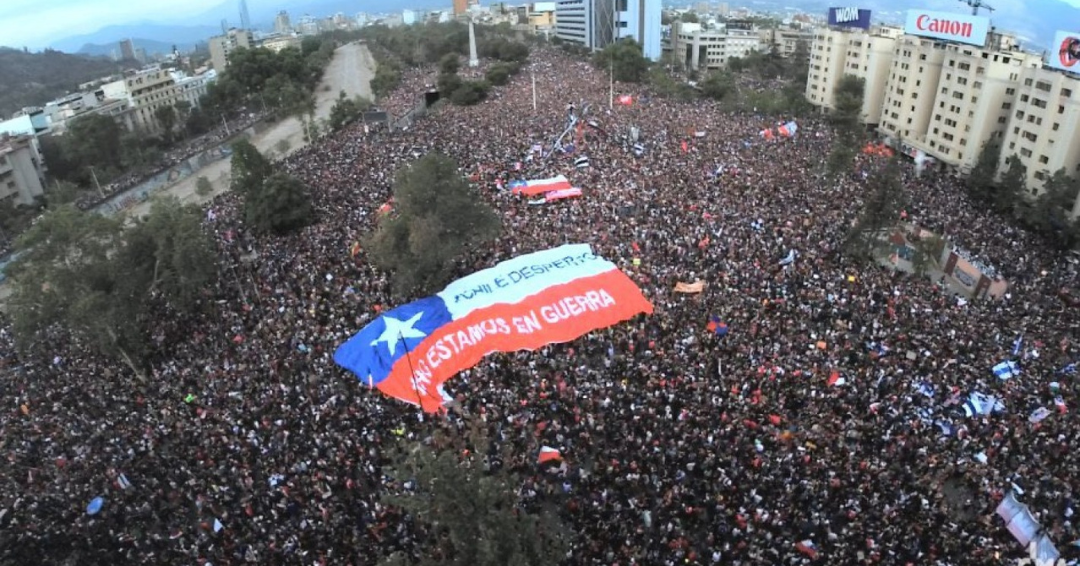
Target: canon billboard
1065,53
849,17
963,28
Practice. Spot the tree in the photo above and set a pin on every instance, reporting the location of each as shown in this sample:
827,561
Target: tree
169,251
980,181
846,117
249,168
689,17
879,214
61,193
449,64
88,274
840,159
203,187
166,117
473,512
346,110
1005,195
448,83
438,216
1049,214
281,205
625,59
470,92
93,141
718,85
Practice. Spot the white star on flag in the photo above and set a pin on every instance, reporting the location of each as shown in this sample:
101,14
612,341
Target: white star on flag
398,330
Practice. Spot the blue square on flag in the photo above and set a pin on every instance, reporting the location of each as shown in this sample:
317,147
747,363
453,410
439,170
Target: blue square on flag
372,352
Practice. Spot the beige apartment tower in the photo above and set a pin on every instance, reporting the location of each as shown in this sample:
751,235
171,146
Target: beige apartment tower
1043,126
975,97
838,52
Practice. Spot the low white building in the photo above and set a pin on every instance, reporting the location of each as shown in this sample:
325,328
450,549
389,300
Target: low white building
21,177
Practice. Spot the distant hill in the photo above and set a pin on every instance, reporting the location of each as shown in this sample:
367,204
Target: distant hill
106,39
32,79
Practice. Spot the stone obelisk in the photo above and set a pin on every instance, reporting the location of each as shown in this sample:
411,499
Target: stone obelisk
474,61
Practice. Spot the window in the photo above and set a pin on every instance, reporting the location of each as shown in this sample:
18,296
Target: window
1010,91
1006,106
1025,152
1066,92
1056,126
1027,82
1043,86
1001,119
1044,159
1038,103
1023,98
1040,176
1061,109
964,66
958,95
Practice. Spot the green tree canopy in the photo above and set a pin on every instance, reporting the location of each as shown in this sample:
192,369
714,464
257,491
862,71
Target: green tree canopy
1006,194
92,276
449,64
470,92
718,85
346,110
689,17
437,217
1049,213
475,516
249,168
280,205
981,179
625,59
880,212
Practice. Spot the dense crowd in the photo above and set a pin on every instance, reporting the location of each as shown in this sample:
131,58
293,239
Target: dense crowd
680,446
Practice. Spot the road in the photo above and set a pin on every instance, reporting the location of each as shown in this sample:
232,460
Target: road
351,70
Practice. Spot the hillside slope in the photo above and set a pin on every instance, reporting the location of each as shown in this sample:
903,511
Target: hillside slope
31,79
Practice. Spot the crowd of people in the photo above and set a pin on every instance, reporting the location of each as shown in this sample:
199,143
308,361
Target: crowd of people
248,445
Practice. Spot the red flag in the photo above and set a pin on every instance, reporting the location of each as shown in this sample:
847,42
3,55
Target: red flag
775,419
685,147
625,99
549,454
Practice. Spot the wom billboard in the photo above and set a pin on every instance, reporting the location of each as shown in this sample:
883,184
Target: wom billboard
849,17
962,28
1066,51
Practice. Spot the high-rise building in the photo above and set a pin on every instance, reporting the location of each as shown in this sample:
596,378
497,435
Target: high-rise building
127,49
21,177
597,23
245,17
849,51
281,22
460,7
639,20
1043,123
222,45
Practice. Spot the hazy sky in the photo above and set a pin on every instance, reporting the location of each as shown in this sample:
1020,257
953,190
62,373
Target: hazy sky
36,23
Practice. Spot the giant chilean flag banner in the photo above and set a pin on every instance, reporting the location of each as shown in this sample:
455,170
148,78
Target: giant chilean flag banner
524,303
539,186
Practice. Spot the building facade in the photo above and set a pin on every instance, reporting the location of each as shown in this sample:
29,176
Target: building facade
974,101
149,89
222,45
1043,124
281,23
639,20
701,49
786,42
836,52
21,177
127,50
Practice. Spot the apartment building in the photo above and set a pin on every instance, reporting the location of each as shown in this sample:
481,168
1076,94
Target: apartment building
785,41
974,101
151,88
222,45
912,88
21,177
867,54
1043,124
705,50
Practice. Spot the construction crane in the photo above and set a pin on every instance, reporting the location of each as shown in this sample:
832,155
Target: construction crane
976,4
